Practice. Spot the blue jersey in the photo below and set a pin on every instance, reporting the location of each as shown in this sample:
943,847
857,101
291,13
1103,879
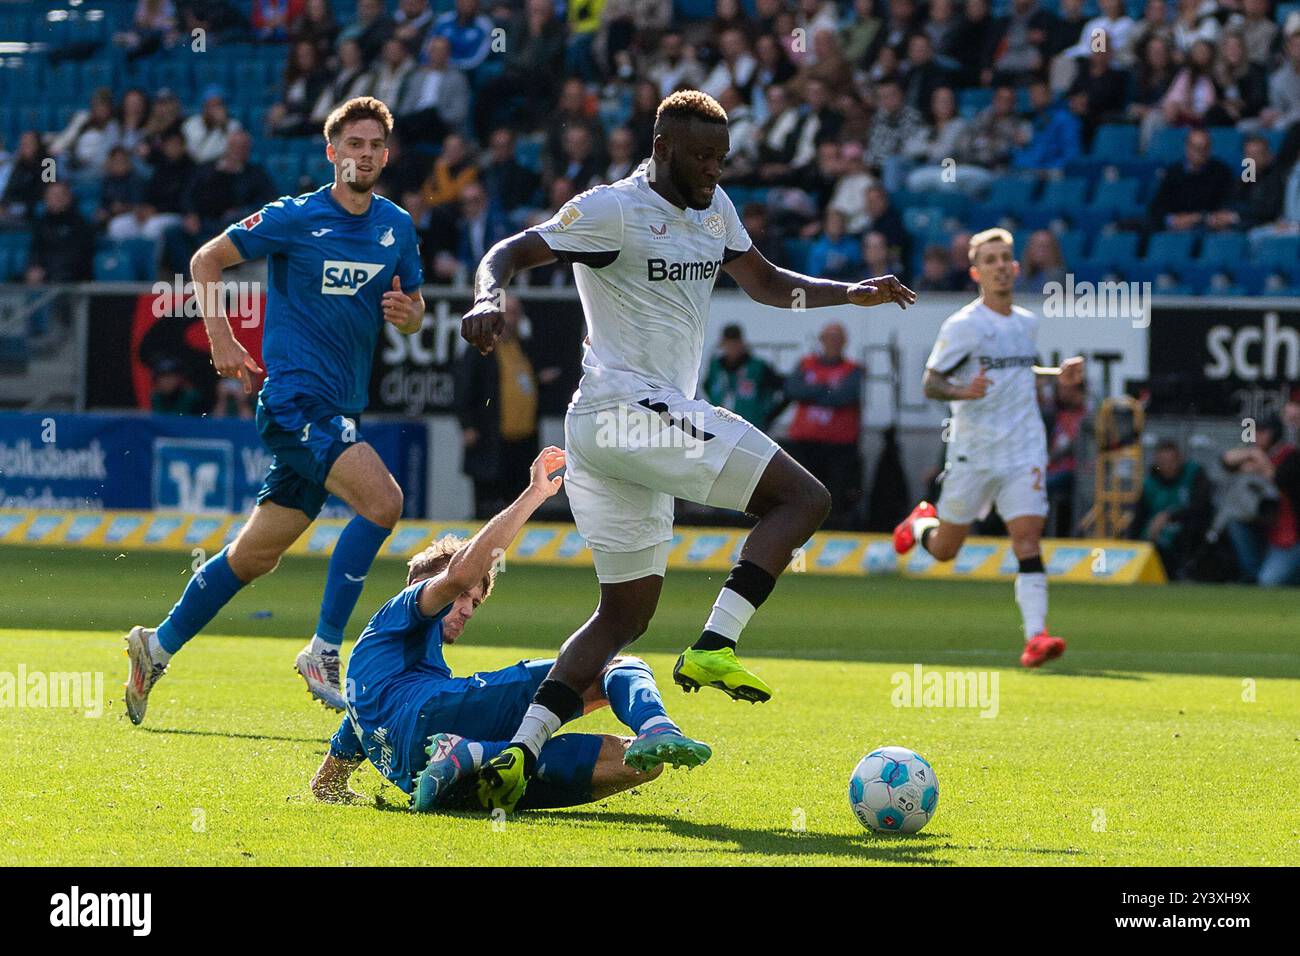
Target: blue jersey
395,667
328,270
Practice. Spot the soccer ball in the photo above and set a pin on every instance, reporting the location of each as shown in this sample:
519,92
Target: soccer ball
893,790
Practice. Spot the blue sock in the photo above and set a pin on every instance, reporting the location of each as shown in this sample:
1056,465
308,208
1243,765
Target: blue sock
209,590
349,565
634,698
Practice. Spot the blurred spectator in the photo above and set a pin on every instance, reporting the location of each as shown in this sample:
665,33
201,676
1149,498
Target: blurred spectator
773,68
921,76
1020,36
986,145
371,28
135,121
735,68
1155,74
901,20
121,188
879,258
1284,85
943,26
436,98
645,103
165,116
1193,92
934,275
1243,85
518,96
674,65
351,79
579,163
1175,508
63,243
894,126
1192,191
883,218
1257,201
934,144
1064,33
1068,410
481,227
413,20
153,25
207,132
1111,31
859,38
829,66
738,380
273,20
834,254
976,41
220,20
823,437
850,195
232,401
171,394
622,158
318,26
1257,28
1041,263
90,135
1194,21
496,403
1268,550
959,262
305,80
511,185
391,74
1057,131
32,169
1105,88
573,109
452,172
163,197
405,171
470,35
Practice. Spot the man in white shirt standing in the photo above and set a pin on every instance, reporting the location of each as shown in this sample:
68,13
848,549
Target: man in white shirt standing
983,364
646,252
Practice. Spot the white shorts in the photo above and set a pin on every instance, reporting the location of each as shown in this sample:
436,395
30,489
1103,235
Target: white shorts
625,464
967,492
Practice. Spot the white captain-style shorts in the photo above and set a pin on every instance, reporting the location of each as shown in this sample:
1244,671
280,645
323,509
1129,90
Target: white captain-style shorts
968,491
626,462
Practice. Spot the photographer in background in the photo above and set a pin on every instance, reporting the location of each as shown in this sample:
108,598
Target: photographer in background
1175,507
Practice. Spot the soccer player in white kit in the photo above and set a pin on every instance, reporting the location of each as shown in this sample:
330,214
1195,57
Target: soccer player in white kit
984,364
646,252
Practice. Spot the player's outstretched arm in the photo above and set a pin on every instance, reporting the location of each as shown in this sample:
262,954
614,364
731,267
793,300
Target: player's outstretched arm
230,359
509,257
468,565
771,285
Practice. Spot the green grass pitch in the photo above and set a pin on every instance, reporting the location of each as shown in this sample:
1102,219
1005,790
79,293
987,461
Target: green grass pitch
1168,734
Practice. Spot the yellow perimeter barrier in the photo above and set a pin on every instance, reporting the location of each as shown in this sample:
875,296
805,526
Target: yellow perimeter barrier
1084,560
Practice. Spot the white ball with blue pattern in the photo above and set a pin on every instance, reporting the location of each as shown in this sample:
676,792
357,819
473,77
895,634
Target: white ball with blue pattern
894,790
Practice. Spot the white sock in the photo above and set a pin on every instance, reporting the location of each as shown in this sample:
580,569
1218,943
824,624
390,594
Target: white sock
1031,595
730,614
654,722
156,650
319,646
920,526
536,728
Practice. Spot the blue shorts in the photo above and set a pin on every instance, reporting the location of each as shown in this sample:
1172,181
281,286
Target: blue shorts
304,446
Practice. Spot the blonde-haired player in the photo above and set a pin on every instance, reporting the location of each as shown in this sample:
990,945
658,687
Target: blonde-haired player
984,365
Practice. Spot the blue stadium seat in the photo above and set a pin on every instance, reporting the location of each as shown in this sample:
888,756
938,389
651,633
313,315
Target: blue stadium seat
1115,249
1226,145
113,265
283,169
1116,197
1170,250
1072,244
920,220
1166,145
1275,251
1224,249
1115,141
1011,193
1065,196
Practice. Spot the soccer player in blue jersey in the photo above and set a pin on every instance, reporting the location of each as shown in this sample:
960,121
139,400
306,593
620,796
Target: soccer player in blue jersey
428,732
341,261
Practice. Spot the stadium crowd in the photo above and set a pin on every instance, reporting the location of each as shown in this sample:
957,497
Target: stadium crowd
1151,140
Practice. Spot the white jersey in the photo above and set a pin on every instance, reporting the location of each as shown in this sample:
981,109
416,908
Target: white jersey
645,271
1004,429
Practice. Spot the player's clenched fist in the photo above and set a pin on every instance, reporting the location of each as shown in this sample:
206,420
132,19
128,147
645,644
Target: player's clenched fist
880,290
482,324
545,465
401,310
232,360
1072,371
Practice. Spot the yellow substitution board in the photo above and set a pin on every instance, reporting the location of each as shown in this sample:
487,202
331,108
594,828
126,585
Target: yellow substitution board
1085,560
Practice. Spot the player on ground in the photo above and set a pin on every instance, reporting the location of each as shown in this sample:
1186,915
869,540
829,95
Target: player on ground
427,731
984,365
341,262
646,251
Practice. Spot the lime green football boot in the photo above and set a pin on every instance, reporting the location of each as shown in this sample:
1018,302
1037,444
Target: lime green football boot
720,669
665,744
501,781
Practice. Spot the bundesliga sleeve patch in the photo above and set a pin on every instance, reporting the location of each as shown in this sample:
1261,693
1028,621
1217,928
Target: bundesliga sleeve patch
567,217
251,221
